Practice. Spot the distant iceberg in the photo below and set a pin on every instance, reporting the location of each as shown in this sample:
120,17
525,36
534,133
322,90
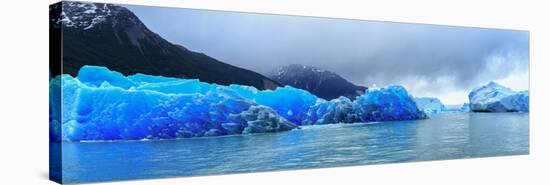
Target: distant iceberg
100,104
497,98
430,105
465,107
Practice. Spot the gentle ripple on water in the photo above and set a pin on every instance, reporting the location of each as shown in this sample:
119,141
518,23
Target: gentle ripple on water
444,136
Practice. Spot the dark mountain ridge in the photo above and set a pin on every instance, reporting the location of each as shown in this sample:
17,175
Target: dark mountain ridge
112,36
322,83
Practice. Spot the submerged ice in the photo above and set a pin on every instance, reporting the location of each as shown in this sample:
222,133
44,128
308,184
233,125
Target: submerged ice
100,104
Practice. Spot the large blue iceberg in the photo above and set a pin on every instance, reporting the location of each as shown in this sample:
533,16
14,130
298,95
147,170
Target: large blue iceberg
497,98
386,104
376,104
430,105
100,104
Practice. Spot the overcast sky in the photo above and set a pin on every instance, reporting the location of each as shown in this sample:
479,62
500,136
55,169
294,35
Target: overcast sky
440,61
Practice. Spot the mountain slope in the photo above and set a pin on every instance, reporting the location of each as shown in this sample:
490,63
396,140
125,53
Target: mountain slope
325,84
112,36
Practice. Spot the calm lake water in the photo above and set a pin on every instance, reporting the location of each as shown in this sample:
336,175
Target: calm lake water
444,136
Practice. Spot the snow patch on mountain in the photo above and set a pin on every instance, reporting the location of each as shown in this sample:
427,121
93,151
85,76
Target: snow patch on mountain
83,15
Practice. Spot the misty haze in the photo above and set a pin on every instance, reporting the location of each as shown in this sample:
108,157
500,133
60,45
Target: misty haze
429,60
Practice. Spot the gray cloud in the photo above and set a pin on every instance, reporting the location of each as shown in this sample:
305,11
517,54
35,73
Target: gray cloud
428,59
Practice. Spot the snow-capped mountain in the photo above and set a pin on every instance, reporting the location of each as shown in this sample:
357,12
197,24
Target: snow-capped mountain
325,84
84,15
112,36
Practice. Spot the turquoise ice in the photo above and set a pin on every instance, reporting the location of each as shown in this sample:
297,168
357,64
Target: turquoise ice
100,104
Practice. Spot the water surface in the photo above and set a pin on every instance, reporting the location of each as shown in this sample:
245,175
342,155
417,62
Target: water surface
443,136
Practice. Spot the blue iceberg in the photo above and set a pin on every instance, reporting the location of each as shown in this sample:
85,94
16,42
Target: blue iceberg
338,110
465,107
289,102
494,97
430,105
55,109
100,104
386,104
376,104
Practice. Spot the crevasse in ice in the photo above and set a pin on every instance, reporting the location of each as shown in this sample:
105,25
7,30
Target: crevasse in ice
100,104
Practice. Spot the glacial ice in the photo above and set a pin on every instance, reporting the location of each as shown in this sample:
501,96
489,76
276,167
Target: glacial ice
338,110
55,108
429,105
100,104
392,103
288,101
259,119
465,107
497,98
